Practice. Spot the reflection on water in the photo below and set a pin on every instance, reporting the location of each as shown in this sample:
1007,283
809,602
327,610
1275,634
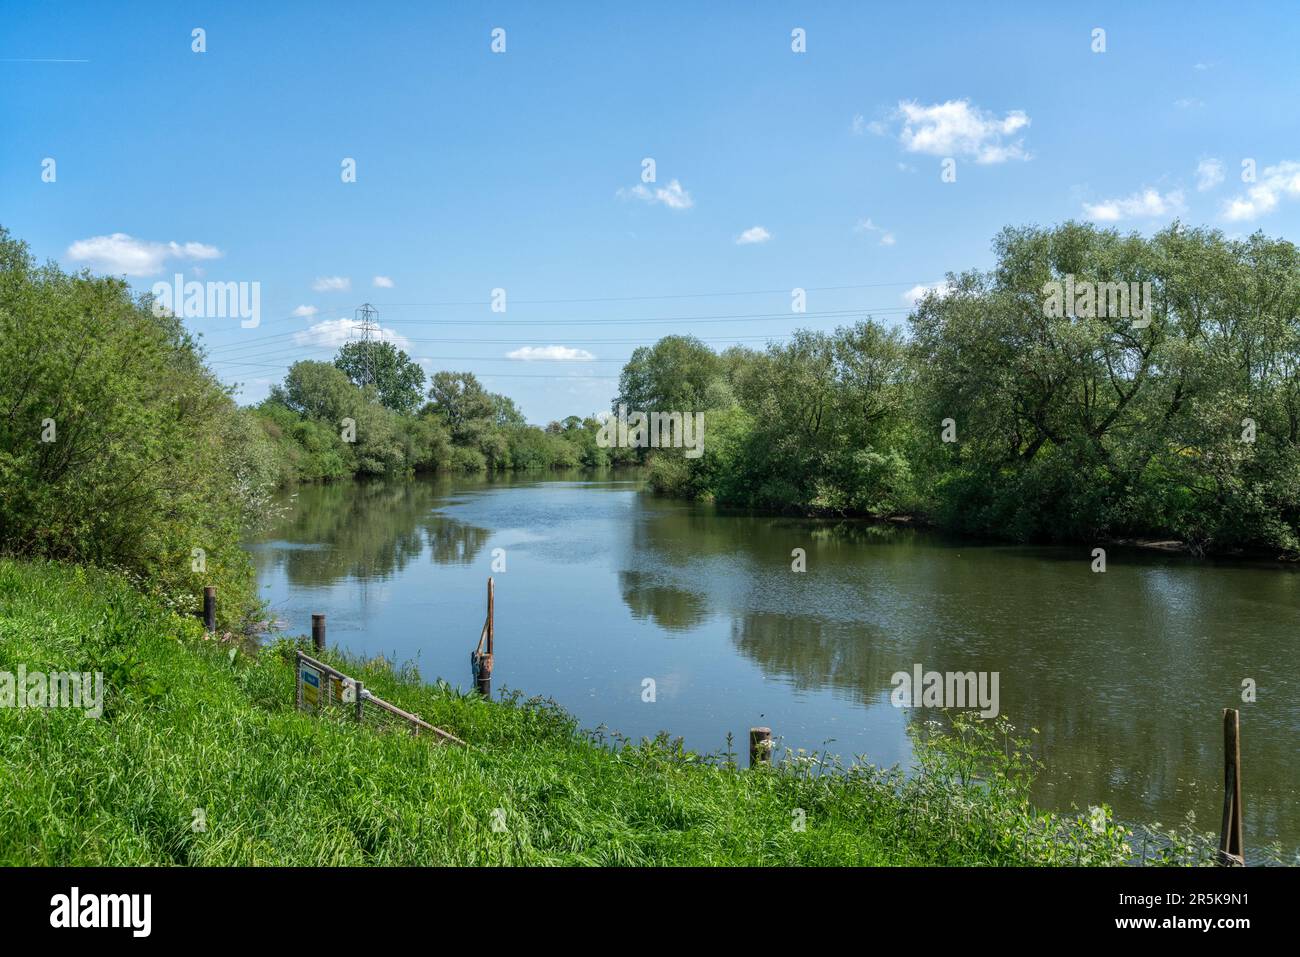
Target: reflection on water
1123,674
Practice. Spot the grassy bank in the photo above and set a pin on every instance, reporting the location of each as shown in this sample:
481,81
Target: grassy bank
192,723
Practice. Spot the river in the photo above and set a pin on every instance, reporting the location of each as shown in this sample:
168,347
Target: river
1123,674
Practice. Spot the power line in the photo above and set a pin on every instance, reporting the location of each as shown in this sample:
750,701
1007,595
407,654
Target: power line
734,317
684,295
226,360
642,298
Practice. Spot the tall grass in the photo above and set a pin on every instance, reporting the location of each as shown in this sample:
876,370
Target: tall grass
195,724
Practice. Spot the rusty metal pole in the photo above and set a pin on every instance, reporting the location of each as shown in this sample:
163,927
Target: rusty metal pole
210,607
1230,834
318,632
760,746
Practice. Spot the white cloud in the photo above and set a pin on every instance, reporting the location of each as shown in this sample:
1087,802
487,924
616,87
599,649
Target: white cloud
919,292
673,195
303,312
382,282
755,234
958,128
334,332
1189,103
551,354
332,284
1209,174
1275,184
122,254
867,226
1146,204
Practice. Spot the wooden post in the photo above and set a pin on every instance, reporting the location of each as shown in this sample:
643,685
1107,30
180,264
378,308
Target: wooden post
318,632
481,657
210,607
1230,842
760,746
490,624
361,699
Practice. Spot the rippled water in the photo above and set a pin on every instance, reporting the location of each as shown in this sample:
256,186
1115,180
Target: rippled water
1124,674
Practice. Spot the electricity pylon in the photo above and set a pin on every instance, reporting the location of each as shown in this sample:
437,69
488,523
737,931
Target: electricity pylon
367,325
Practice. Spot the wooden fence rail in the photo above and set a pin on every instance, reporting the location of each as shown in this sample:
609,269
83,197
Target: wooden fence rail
320,688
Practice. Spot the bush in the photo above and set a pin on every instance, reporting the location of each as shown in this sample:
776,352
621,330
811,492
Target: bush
119,447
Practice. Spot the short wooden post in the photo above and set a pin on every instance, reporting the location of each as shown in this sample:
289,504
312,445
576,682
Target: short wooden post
1230,837
361,700
210,607
760,746
318,632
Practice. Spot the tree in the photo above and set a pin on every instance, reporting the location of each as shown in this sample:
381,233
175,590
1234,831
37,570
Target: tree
1083,423
460,400
673,375
317,390
323,392
117,446
398,381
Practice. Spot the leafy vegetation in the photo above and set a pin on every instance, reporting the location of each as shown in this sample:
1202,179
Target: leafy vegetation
117,446
1067,426
330,420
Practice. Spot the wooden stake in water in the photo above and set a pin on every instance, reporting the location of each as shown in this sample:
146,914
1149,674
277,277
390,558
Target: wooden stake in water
210,607
481,657
760,746
1230,837
318,632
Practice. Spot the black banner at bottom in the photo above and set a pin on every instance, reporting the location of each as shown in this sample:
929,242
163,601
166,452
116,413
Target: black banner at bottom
313,905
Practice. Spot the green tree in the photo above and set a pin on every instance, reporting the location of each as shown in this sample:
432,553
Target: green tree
117,446
676,374
398,381
460,400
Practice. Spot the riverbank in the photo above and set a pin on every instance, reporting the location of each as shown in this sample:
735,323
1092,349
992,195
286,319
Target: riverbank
200,759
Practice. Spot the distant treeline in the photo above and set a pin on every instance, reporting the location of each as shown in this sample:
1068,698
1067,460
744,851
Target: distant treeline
1004,410
368,413
119,447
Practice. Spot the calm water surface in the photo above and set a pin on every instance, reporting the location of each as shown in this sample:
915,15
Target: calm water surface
1124,674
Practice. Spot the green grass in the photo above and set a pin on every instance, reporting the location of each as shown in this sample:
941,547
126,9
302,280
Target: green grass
193,723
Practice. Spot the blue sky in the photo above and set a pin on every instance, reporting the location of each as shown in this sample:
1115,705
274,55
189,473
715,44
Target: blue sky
522,170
